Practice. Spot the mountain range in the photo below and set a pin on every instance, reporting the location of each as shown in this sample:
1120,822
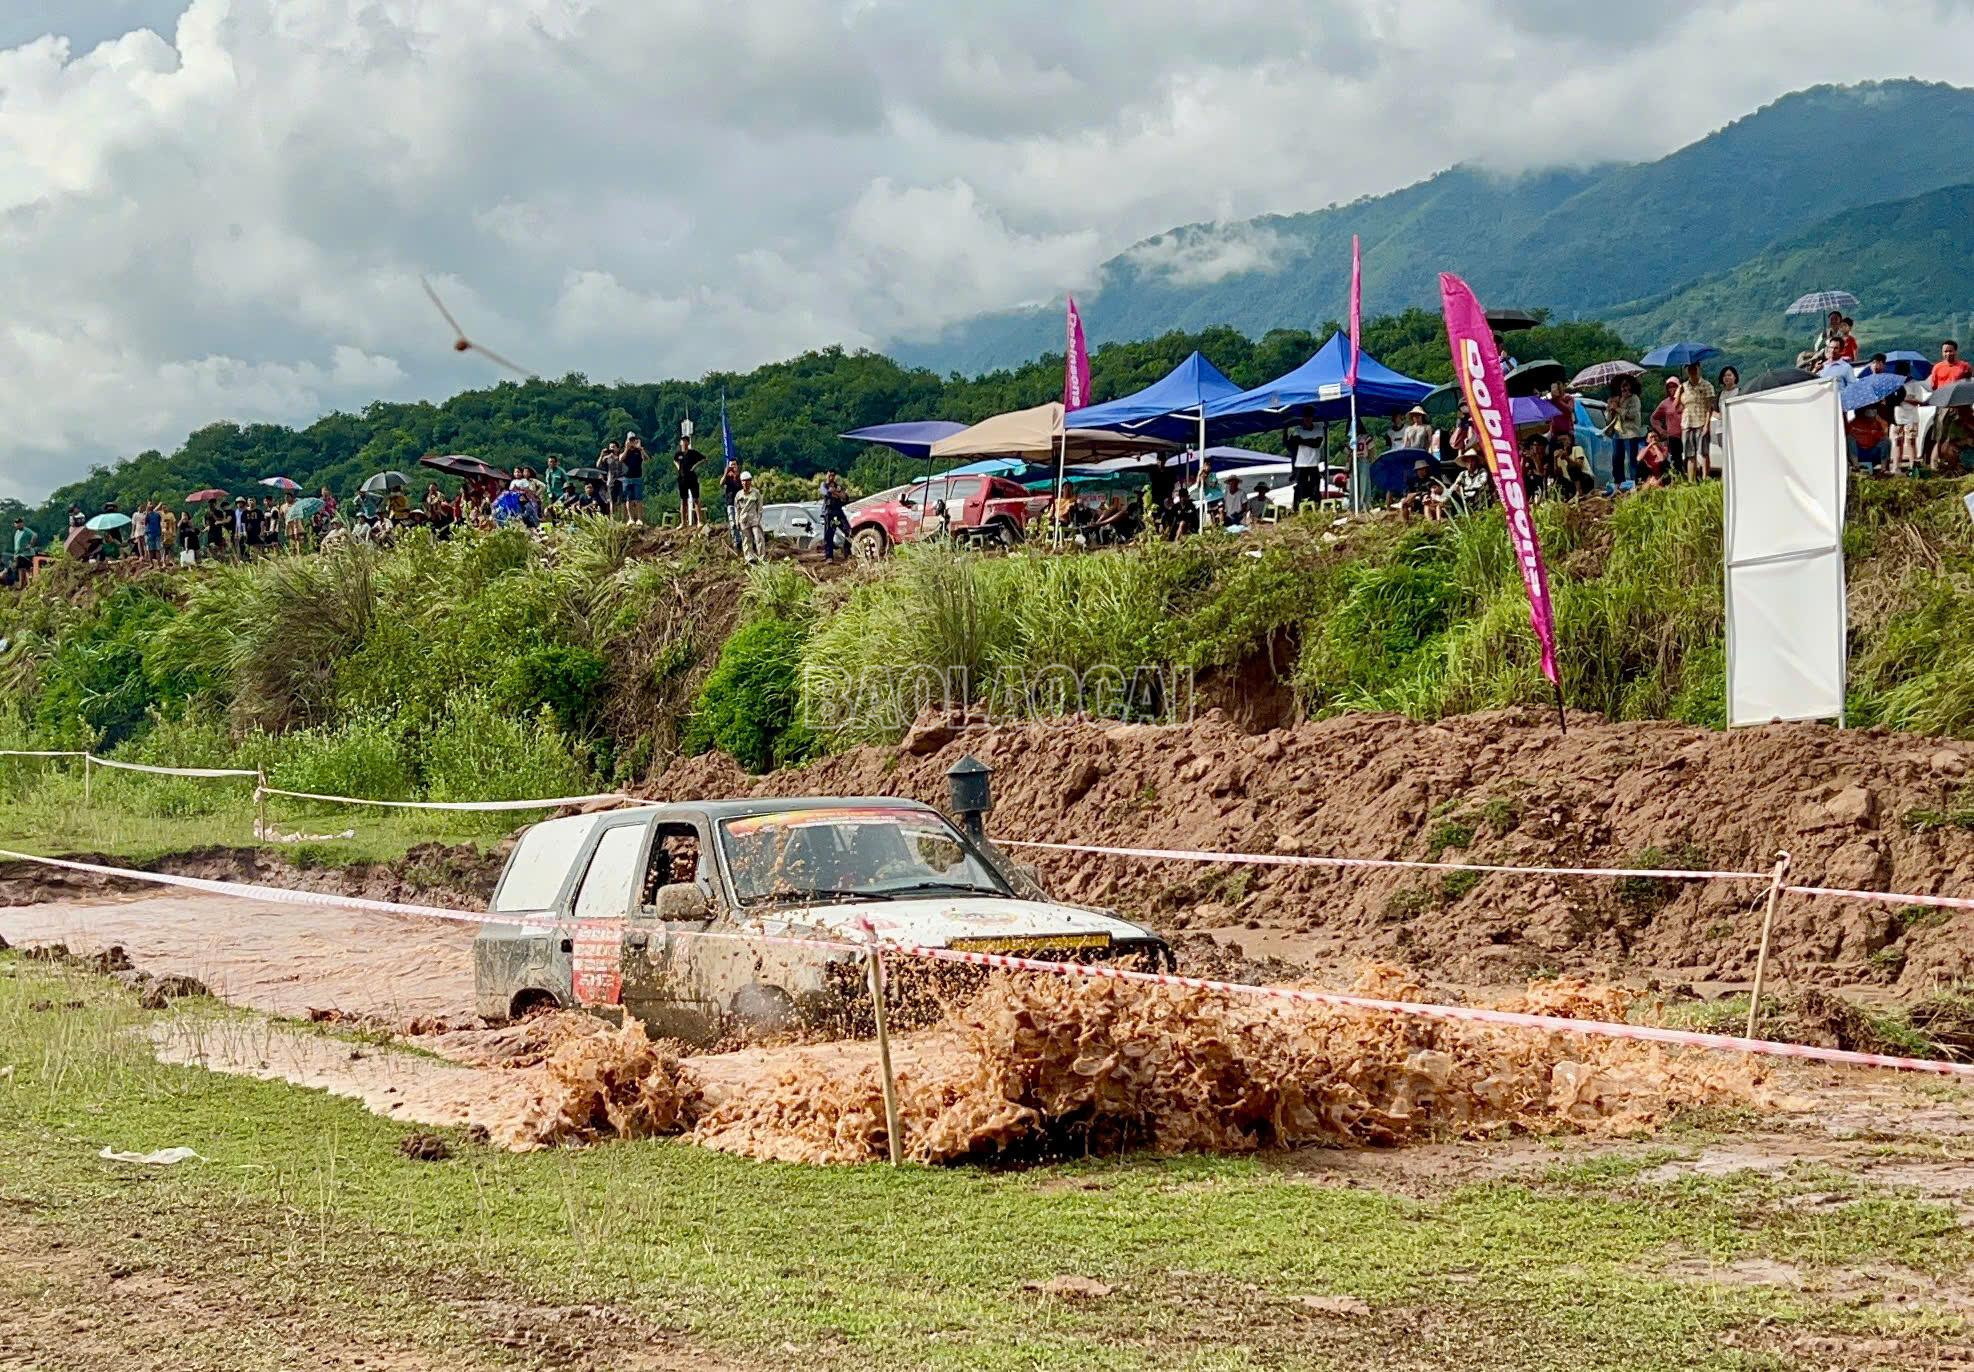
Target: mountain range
1864,188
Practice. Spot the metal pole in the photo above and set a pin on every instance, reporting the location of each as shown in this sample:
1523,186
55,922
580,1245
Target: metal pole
1768,928
1202,466
1055,502
1356,504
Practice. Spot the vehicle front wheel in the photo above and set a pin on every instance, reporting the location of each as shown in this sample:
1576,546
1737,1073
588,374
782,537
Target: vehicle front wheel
533,1001
765,1010
870,543
1006,532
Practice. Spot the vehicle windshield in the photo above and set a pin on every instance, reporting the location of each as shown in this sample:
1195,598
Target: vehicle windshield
879,853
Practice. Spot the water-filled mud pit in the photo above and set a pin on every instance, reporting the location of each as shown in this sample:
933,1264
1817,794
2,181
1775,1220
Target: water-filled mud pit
1030,1065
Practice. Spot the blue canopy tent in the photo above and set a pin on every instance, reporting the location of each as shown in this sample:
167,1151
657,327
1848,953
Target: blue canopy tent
913,438
1319,388
1317,385
1174,407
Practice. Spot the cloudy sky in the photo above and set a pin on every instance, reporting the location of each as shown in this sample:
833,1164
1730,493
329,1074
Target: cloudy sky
220,208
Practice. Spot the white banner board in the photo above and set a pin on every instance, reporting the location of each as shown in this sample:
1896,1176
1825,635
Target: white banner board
1786,621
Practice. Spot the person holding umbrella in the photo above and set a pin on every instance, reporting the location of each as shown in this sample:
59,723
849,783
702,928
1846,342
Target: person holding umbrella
1624,424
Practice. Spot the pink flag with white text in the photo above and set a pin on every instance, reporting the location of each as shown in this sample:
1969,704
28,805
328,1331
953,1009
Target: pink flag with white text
1477,367
1075,363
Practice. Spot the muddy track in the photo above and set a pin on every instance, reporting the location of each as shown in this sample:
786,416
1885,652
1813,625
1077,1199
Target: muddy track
1863,809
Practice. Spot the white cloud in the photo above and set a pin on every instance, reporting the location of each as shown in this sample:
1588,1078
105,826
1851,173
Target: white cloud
225,214
1202,255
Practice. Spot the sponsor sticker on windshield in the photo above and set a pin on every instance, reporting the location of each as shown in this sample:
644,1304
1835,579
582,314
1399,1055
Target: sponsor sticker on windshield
1030,943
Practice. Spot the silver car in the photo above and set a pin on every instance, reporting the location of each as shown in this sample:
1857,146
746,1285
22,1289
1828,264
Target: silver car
667,913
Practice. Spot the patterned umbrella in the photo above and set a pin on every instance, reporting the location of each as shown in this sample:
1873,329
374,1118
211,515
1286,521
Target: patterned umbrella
1604,373
1822,302
281,483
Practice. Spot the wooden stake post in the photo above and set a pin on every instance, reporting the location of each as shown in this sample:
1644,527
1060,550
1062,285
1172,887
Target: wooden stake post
1768,929
874,960
260,805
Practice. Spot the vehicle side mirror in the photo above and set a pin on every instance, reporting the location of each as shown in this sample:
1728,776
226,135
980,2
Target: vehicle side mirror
683,903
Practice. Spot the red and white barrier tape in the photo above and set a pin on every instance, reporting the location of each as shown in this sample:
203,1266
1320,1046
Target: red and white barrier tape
1682,1038
553,803
1886,897
1306,860
278,894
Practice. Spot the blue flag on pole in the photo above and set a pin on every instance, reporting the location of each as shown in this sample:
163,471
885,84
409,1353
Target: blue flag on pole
726,433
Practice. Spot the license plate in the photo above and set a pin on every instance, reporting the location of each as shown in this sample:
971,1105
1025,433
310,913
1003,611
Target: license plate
1032,943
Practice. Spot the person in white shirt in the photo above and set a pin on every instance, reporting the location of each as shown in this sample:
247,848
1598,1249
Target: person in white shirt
1306,446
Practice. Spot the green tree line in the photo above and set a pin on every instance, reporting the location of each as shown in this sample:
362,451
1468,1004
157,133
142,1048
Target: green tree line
785,415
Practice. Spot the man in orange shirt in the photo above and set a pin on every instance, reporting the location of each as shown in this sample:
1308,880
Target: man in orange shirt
1949,367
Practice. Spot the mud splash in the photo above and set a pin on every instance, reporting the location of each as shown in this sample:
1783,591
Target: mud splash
1034,1067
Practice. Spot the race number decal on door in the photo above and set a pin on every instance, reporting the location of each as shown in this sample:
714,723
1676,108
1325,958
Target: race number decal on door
598,973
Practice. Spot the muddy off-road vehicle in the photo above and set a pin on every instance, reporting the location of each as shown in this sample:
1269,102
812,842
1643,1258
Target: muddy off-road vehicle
622,912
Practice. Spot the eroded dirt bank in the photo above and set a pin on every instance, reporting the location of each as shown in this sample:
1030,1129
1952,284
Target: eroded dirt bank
1855,808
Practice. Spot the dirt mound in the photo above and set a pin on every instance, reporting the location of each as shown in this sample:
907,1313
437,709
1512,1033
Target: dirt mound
1035,1066
454,876
1856,808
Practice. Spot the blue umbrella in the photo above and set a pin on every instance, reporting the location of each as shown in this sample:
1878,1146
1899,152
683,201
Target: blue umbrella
103,523
1908,363
1871,388
1679,354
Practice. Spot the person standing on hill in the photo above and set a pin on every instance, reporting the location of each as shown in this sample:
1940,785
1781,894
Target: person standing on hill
834,498
633,459
730,490
1417,433
153,515
612,467
1949,368
747,511
685,465
1304,444
1624,421
1696,410
23,550
554,479
1666,422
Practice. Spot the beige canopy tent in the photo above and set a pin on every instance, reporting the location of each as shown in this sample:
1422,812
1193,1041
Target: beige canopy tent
1038,434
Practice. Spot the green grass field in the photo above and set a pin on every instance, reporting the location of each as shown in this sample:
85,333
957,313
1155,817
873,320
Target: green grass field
305,1228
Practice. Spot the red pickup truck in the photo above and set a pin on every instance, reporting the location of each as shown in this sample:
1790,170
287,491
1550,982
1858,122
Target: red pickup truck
983,508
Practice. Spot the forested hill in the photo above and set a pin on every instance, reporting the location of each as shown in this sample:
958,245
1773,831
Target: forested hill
785,416
1584,241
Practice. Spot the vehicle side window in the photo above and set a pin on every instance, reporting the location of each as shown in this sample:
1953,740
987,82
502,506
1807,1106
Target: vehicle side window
534,876
606,888
678,858
961,490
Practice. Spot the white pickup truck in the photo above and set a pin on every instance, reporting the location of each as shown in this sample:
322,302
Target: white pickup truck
658,912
